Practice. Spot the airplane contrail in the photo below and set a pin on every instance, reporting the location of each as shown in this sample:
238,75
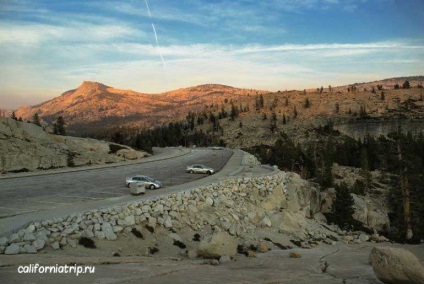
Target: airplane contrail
156,36
148,10
154,31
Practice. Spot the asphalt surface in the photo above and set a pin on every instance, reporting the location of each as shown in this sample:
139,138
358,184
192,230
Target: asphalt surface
26,195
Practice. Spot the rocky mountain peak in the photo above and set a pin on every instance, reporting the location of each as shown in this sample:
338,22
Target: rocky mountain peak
89,87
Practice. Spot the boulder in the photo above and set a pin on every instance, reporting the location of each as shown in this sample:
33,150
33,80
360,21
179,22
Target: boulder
217,245
288,222
55,245
262,247
396,265
108,231
275,200
301,196
224,259
371,213
3,241
29,248
38,244
12,249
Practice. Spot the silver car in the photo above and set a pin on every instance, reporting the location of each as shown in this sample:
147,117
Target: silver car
148,182
199,169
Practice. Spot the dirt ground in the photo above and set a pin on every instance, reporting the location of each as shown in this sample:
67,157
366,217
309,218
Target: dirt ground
322,264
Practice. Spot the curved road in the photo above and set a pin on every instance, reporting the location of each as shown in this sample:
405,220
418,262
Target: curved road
25,195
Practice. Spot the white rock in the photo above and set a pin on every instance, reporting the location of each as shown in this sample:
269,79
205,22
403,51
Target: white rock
14,238
39,244
73,243
29,237
266,221
100,235
3,241
31,228
30,249
88,233
55,245
168,223
209,201
108,232
12,249
42,236
224,259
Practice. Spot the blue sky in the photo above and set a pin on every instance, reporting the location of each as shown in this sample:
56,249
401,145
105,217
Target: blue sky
48,47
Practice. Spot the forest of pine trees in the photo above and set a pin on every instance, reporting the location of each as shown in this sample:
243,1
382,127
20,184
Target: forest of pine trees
399,156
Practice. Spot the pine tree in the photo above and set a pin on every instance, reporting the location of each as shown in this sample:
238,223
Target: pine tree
13,116
307,103
342,209
36,119
60,126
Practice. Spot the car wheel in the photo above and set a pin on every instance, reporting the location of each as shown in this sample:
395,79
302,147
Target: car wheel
209,172
191,171
152,186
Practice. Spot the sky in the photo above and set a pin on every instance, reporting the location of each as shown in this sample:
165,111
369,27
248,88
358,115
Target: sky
48,47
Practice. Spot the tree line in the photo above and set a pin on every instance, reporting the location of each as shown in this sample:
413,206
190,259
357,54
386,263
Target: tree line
400,157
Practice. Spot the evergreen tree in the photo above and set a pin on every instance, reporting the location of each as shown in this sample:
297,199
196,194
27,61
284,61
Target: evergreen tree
36,119
59,126
342,209
13,116
307,103
406,85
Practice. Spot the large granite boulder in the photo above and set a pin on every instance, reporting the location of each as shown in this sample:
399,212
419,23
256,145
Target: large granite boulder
301,196
217,245
396,265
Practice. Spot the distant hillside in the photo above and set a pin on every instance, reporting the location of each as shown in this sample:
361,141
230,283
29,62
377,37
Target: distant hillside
94,106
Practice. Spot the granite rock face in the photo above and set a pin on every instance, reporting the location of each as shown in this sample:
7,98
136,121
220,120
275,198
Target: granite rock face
27,147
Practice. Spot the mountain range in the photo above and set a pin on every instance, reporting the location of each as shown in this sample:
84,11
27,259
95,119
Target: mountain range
93,106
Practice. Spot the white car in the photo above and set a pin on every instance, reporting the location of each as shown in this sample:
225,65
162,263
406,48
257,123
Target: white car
148,182
199,169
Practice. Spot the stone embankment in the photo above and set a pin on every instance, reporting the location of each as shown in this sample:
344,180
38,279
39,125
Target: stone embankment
27,147
248,215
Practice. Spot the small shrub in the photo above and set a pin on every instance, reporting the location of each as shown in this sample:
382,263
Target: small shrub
137,233
150,228
87,242
196,238
113,148
179,244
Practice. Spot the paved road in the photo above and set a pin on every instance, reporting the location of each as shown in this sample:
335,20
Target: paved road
31,194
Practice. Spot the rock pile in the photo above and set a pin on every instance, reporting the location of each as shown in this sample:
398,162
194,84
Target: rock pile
245,214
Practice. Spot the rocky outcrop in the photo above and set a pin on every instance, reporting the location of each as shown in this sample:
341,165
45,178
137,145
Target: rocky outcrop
396,265
371,212
27,147
218,245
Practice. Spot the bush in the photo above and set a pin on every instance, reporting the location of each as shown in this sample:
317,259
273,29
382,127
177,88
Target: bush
113,148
